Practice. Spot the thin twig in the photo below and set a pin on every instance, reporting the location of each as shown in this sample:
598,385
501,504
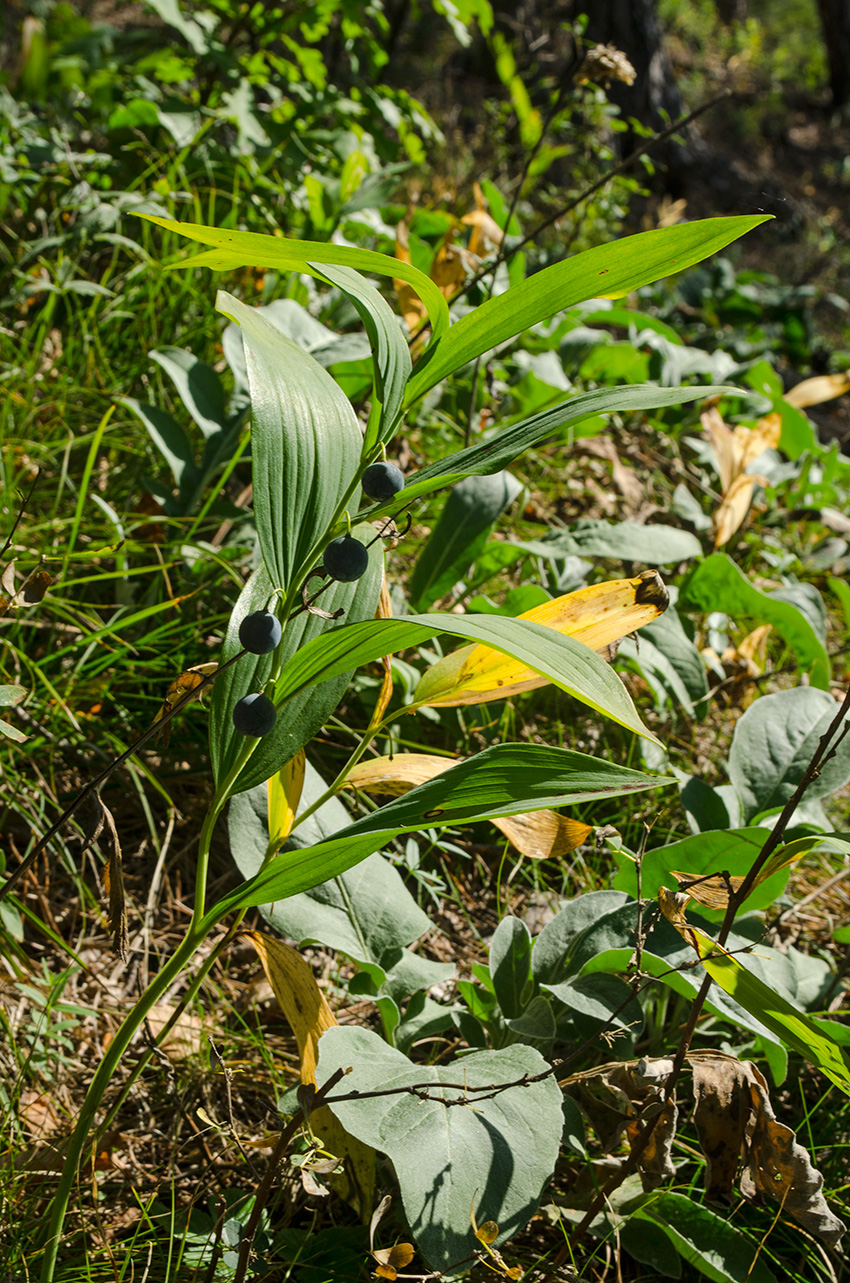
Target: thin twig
647,146
265,1189
822,753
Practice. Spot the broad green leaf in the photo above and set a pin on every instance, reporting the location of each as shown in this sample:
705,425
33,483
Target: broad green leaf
367,912
390,351
605,271
562,660
718,584
774,742
596,933
596,616
597,998
707,1241
307,711
623,541
468,516
504,447
510,966
702,854
306,444
506,779
553,946
797,1030
668,635
508,1142
198,387
170,438
647,1243
243,249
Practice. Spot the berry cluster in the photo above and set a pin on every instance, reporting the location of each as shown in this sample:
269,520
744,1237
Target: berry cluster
346,560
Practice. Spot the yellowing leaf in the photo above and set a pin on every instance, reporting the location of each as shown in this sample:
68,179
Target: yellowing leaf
733,508
305,1007
484,227
596,616
825,387
735,449
542,835
284,795
392,1259
301,1000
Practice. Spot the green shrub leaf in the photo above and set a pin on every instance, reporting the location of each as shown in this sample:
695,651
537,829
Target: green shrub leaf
509,1143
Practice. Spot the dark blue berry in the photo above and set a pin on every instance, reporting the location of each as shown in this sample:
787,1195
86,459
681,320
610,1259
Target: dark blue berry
382,481
260,632
346,559
254,715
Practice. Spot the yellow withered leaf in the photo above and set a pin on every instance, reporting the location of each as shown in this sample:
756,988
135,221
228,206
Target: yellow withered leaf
305,1007
735,449
301,1000
542,835
824,387
284,795
596,616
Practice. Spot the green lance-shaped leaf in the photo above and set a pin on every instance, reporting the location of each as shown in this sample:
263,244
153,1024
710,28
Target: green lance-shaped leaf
252,249
491,1152
303,715
705,1240
797,1030
501,449
469,514
305,444
718,584
390,352
508,779
568,663
607,270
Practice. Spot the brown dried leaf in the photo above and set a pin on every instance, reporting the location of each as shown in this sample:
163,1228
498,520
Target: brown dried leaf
655,1164
733,508
605,63
639,1089
484,228
673,905
178,689
33,589
711,892
722,1096
778,1166
735,450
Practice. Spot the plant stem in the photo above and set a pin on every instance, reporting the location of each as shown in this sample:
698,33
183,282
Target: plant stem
99,1083
331,791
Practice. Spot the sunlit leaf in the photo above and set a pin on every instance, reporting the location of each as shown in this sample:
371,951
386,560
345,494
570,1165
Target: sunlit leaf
542,835
595,616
